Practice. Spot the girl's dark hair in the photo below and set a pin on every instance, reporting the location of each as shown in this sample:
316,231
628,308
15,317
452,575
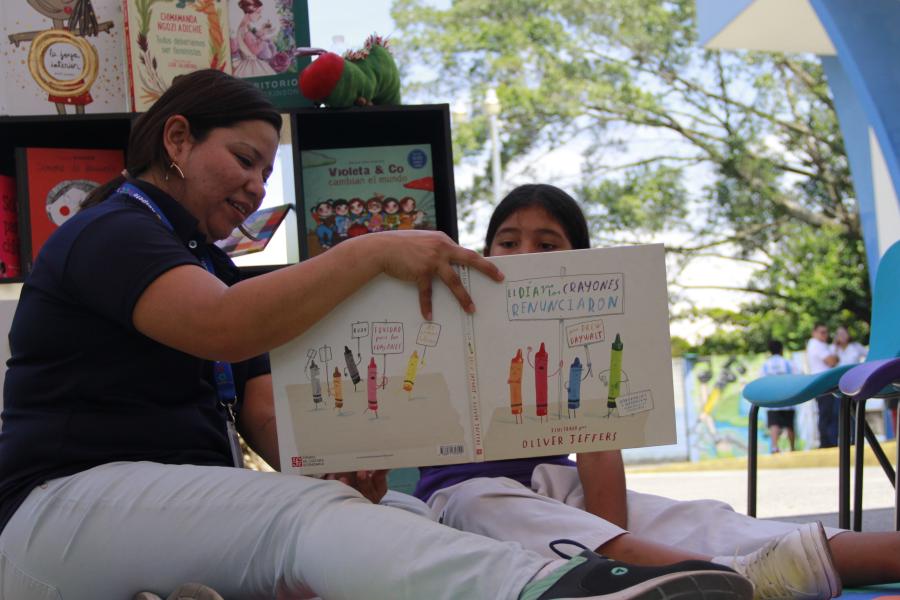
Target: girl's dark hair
208,99
558,204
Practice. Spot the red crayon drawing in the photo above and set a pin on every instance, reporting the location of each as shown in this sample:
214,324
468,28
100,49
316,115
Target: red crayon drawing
373,387
541,358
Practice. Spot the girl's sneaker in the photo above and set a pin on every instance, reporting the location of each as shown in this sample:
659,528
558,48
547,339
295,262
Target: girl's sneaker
591,576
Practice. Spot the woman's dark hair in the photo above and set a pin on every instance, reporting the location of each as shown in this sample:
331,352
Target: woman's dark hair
208,99
558,204
775,347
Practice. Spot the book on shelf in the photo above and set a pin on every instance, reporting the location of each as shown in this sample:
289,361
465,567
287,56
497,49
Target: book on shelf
261,226
51,183
9,231
167,38
570,353
62,57
264,35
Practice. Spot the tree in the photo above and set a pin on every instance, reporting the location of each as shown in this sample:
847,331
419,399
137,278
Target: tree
746,160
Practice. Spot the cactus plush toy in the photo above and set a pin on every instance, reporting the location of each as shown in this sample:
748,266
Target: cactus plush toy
360,77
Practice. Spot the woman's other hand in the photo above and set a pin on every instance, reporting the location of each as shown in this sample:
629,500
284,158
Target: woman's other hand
371,484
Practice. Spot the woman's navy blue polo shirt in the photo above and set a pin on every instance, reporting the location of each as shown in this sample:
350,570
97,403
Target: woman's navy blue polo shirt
84,387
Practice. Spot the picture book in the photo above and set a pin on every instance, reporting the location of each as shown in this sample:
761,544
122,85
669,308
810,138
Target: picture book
569,353
260,226
264,35
349,192
167,38
62,57
51,184
9,229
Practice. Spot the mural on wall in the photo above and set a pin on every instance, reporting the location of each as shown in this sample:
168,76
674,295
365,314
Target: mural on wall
716,413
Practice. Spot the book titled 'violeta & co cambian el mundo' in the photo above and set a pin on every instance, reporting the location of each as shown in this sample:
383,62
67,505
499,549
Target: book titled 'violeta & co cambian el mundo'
570,353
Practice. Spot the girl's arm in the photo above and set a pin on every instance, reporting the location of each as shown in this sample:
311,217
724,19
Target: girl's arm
602,477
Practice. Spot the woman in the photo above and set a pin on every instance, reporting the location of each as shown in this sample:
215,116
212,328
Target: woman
134,360
532,501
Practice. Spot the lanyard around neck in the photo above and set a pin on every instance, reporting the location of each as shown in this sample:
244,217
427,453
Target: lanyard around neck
223,377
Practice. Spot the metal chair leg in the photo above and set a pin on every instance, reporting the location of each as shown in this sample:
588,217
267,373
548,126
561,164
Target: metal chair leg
844,464
858,471
751,460
878,451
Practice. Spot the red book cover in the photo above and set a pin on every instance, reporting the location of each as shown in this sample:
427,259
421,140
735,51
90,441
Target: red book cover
9,232
52,183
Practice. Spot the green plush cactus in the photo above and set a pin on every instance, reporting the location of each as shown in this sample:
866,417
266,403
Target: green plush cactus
361,77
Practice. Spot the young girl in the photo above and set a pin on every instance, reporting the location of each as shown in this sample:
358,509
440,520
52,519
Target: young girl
534,500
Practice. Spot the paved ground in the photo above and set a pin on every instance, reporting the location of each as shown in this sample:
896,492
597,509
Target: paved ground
792,486
790,494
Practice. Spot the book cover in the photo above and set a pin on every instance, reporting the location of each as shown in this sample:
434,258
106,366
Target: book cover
570,353
167,38
9,229
51,183
260,226
264,35
353,191
62,57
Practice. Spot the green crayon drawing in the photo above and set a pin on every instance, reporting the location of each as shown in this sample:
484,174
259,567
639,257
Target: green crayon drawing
615,374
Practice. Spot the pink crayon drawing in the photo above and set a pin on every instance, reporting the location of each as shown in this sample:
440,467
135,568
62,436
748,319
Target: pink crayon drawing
373,387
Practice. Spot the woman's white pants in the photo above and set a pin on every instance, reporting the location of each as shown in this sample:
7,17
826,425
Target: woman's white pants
114,530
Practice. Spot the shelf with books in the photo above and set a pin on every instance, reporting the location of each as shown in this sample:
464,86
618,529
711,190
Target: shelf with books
365,169
87,132
404,152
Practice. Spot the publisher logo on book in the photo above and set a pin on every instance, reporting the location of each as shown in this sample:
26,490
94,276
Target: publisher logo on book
307,461
417,159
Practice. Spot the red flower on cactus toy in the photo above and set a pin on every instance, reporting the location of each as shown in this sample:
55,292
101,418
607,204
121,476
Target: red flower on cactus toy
363,77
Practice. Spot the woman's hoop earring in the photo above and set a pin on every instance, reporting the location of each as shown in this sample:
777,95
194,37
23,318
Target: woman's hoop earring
174,165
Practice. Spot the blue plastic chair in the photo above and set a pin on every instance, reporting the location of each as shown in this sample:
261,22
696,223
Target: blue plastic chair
779,391
873,379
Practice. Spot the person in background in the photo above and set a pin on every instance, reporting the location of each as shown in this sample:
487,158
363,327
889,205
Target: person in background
782,419
138,354
847,351
819,358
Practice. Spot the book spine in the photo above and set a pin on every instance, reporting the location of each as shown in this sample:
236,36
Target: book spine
130,100
9,232
472,375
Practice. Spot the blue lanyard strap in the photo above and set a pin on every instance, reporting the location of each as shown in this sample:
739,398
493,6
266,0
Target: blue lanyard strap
222,374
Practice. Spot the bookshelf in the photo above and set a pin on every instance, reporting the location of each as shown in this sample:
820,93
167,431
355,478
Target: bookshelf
359,128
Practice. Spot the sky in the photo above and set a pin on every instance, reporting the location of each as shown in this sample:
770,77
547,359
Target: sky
354,19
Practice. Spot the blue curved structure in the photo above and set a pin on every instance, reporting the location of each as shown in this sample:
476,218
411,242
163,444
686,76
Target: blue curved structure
858,44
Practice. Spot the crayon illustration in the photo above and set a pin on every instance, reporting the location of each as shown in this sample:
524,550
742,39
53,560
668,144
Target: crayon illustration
615,375
316,384
372,387
411,368
574,387
351,366
338,391
541,359
515,386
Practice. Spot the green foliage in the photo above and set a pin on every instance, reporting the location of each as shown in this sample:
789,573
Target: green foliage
740,154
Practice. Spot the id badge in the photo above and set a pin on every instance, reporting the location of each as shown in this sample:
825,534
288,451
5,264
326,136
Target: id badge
237,456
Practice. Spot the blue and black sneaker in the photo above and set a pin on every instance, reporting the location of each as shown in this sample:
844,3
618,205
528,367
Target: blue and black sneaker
591,576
